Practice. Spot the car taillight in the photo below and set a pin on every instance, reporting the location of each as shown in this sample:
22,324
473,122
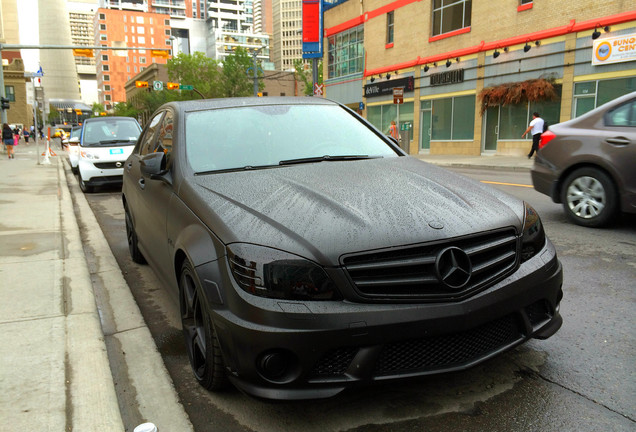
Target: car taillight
546,137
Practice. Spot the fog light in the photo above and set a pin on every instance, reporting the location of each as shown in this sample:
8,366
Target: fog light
278,366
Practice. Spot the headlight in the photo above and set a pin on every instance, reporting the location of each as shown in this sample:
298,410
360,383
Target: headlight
88,155
271,273
533,237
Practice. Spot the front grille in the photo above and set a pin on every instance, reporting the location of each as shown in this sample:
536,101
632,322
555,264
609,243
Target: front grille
424,355
335,362
447,351
108,165
410,272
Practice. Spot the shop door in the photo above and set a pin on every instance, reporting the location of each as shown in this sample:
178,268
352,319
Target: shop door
491,130
425,130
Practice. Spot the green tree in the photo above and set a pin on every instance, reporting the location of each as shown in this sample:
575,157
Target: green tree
125,109
97,108
306,76
238,74
199,71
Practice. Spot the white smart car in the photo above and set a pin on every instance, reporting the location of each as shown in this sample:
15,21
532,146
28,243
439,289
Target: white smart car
105,144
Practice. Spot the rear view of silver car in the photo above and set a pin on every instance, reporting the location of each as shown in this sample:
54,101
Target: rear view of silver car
587,163
105,144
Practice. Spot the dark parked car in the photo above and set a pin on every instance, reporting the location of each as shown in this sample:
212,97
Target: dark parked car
589,163
312,255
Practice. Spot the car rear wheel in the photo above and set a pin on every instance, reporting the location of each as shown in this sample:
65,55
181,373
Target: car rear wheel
131,236
202,344
589,197
83,186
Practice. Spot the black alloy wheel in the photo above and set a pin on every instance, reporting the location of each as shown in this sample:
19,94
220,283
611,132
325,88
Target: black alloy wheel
131,236
589,197
202,345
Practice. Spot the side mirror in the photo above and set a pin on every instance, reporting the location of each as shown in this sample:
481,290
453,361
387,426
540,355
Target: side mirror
153,165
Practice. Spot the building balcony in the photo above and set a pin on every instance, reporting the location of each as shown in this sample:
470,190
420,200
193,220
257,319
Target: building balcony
169,3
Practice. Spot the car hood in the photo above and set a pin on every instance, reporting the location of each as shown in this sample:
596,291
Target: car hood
323,210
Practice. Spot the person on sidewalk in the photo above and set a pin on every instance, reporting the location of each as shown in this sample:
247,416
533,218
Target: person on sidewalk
7,139
393,132
536,125
26,135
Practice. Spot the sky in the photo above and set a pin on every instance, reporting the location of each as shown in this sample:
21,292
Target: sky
27,20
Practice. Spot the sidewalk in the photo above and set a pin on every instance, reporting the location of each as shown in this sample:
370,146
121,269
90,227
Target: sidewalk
54,365
496,162
54,349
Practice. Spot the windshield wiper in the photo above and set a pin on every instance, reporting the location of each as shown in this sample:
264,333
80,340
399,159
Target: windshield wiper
326,158
243,168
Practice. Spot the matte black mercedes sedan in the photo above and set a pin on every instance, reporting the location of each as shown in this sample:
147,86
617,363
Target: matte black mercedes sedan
312,255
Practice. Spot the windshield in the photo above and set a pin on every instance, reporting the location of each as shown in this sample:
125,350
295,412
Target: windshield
105,132
259,136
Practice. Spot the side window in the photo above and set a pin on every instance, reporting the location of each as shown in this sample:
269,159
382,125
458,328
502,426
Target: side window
624,115
164,142
147,140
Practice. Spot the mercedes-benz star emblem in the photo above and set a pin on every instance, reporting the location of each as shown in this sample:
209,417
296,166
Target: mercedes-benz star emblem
118,164
453,267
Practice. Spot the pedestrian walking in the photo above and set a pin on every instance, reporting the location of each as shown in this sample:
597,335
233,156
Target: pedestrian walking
393,131
16,136
8,139
536,126
26,136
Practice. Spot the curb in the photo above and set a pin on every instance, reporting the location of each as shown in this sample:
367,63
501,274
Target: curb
138,373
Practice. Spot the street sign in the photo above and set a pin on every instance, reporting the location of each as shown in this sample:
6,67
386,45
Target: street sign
157,85
186,87
398,95
319,89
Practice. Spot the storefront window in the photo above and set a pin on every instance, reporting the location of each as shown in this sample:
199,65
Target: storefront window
591,94
464,118
381,116
513,121
453,118
346,52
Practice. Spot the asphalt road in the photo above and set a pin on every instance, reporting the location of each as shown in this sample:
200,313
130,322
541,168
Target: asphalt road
581,379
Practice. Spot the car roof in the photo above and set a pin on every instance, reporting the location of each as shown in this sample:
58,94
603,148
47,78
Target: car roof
203,104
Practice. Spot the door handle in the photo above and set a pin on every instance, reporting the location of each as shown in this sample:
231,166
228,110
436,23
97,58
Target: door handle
142,183
617,141
497,130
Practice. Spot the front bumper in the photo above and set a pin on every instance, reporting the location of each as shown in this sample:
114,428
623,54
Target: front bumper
94,175
305,350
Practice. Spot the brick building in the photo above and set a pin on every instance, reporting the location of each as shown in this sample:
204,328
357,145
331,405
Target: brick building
444,53
126,28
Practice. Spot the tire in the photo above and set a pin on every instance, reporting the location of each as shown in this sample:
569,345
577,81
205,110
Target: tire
131,236
202,344
83,186
589,197
74,170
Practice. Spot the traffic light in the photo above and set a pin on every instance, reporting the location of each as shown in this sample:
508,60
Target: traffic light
141,84
159,53
5,103
82,52
172,86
